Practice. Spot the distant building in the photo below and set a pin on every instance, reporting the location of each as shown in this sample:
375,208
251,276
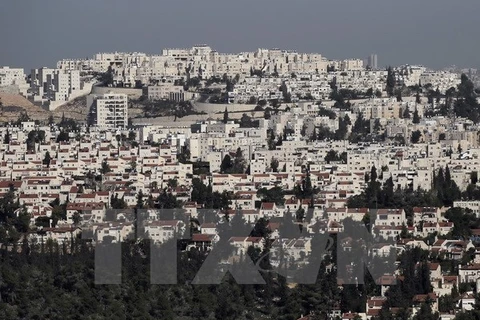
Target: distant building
351,64
111,109
166,92
473,205
13,80
372,61
10,76
52,87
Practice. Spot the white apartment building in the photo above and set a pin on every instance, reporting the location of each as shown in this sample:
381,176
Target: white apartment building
352,64
11,76
63,84
160,231
390,217
103,60
73,64
55,86
469,273
473,205
111,109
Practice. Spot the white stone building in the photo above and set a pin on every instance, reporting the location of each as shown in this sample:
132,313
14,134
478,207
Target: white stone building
11,76
111,109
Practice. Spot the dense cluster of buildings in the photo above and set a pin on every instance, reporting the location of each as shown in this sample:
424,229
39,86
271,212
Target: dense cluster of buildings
146,161
48,88
92,170
300,74
263,74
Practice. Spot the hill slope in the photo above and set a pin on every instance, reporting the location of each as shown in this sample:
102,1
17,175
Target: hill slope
14,104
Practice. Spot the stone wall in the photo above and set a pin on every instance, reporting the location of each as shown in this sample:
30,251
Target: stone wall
131,92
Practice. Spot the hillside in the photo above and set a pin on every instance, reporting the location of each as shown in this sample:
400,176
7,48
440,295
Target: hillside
14,104
76,109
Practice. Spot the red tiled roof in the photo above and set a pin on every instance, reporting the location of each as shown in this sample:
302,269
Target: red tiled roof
433,266
198,237
267,205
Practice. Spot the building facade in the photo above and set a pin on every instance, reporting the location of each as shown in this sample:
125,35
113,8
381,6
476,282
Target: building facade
111,110
11,76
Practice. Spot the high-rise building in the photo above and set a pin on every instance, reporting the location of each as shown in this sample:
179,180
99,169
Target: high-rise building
372,61
55,84
111,109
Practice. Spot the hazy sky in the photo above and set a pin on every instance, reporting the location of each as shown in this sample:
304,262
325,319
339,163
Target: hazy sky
435,33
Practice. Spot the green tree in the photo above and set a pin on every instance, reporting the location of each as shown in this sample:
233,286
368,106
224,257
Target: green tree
246,121
275,105
398,94
416,135
425,313
132,136
225,116
331,156
107,77
105,167
271,139
172,183
274,165
466,104
445,187
22,223
76,218
252,100
117,203
390,86
417,97
323,133
133,165
463,221
63,136
300,214
373,174
360,130
6,139
406,113
266,114
323,112
200,192
185,155
473,177
140,201
47,159
51,120
35,136
226,165
342,130
23,117
288,229
275,194
416,118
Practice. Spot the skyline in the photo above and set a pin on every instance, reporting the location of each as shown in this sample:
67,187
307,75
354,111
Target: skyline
53,30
